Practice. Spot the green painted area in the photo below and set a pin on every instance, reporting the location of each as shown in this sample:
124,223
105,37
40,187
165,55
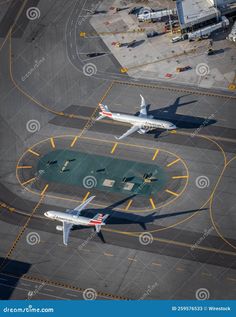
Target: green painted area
95,171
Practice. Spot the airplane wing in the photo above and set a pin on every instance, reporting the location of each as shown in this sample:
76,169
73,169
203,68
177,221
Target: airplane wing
66,231
133,129
79,208
143,108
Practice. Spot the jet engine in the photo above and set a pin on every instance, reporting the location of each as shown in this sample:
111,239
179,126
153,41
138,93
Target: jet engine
59,228
142,131
145,129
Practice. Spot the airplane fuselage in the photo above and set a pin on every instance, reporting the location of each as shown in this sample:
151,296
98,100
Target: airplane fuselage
143,122
75,220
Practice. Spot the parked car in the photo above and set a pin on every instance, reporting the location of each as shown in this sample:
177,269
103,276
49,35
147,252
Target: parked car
176,39
182,69
152,34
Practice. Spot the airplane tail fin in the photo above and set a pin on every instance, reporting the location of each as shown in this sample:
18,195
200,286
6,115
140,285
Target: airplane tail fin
105,112
143,102
98,228
143,107
105,217
98,221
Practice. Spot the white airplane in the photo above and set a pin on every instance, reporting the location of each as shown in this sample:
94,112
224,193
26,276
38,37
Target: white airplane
69,218
141,123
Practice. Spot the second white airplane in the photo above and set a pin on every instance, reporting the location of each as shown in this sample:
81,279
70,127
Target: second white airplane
141,123
72,218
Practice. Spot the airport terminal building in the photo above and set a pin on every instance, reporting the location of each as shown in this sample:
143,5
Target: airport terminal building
195,14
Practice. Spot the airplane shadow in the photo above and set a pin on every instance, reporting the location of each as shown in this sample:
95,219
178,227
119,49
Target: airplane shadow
124,218
181,121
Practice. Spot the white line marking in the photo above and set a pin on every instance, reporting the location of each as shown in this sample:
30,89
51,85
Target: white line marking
48,289
71,294
24,284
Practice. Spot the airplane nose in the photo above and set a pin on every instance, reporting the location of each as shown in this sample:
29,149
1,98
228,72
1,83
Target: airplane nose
46,214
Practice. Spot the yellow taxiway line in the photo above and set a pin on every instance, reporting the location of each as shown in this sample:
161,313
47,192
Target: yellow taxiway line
52,143
24,166
155,154
29,180
152,203
86,196
74,141
181,176
172,193
114,147
44,190
172,163
33,152
129,204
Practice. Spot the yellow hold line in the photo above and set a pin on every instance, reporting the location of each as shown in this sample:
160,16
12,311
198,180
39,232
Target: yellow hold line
44,190
172,163
155,155
114,147
172,193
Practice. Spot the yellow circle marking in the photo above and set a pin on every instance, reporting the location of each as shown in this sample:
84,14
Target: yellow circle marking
110,142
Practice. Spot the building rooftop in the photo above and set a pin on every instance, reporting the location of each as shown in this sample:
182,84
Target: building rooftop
191,12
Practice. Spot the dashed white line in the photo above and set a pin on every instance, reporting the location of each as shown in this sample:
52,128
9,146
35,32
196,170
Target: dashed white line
71,294
24,284
48,289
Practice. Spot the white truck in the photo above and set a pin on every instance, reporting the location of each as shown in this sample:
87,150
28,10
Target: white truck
155,16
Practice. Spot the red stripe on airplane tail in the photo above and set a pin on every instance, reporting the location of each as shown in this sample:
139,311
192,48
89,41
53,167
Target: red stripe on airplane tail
107,114
93,222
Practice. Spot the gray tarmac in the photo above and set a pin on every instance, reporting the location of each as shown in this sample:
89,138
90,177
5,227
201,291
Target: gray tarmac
192,241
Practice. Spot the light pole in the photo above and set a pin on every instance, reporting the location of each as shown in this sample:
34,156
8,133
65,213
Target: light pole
216,7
